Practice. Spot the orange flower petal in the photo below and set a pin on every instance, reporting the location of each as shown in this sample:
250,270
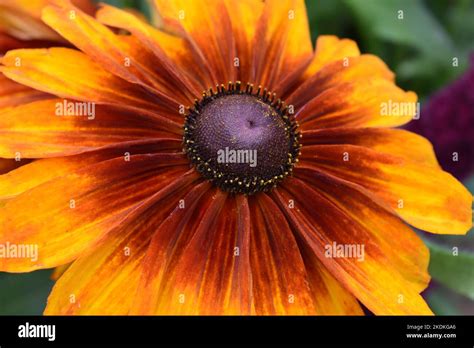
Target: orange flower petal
282,45
20,19
8,43
59,271
173,58
244,17
279,278
12,93
105,279
75,203
192,266
109,49
93,38
329,296
396,142
354,70
37,130
362,103
71,74
7,165
209,32
41,171
388,274
411,188
330,48
34,7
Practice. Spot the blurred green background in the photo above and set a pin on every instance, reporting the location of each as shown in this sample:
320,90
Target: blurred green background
419,49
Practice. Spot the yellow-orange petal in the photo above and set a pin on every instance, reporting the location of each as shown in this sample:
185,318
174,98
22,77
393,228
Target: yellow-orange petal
372,102
349,198
59,271
423,195
351,70
244,17
282,44
12,93
93,38
40,171
69,73
386,265
121,55
396,142
192,267
6,166
329,296
67,215
34,7
209,32
21,20
53,127
279,279
173,61
330,48
104,280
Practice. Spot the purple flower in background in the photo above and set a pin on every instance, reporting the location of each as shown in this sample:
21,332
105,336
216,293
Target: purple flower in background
447,120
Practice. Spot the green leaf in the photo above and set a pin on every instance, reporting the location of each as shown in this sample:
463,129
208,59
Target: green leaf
25,293
116,3
142,6
469,183
454,271
444,301
328,17
411,40
418,28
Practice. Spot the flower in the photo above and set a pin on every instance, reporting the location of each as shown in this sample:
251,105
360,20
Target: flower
21,27
161,209
446,121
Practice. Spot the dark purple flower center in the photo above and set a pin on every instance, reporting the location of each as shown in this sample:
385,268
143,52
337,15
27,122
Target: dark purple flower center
242,141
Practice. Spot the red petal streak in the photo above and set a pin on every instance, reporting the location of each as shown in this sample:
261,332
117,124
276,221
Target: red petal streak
67,215
158,284
282,44
37,130
209,32
394,142
104,279
393,268
108,48
43,170
337,73
71,74
12,93
423,195
280,281
173,64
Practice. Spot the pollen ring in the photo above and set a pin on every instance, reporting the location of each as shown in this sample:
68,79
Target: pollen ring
242,140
